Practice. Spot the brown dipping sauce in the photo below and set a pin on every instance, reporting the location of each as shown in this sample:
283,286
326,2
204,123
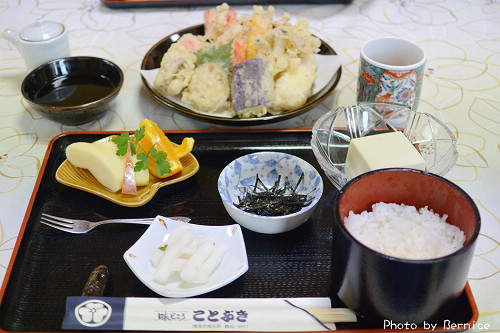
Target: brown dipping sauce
73,90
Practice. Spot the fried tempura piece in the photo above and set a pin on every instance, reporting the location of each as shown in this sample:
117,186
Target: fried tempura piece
217,21
177,68
293,86
209,88
284,43
261,22
192,42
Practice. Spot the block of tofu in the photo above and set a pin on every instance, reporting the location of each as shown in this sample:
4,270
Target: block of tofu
386,150
101,160
251,85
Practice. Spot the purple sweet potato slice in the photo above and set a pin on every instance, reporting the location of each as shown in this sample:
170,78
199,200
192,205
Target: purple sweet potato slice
252,85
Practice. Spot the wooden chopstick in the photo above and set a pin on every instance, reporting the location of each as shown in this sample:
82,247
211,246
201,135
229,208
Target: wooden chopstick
333,315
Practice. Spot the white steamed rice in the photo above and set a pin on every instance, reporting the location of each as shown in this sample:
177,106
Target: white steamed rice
404,232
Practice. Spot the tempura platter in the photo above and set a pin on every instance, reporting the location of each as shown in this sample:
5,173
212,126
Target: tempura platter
152,60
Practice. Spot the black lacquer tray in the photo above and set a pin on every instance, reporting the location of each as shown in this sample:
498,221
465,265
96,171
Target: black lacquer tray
48,265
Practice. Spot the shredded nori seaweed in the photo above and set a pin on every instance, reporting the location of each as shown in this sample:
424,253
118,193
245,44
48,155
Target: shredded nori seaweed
274,201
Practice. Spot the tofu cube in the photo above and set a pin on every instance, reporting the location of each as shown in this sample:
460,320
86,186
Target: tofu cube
379,151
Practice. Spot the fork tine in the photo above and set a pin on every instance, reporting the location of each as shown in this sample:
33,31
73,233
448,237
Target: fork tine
63,228
60,219
57,220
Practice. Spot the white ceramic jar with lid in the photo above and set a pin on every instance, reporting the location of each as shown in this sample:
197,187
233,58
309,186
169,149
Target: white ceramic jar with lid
40,42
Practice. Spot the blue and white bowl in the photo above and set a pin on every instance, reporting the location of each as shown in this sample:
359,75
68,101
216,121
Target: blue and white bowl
242,172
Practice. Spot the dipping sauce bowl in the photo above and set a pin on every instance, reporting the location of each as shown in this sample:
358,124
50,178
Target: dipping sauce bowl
73,90
380,287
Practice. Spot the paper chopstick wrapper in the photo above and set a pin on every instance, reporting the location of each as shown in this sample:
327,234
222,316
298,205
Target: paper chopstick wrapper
195,314
328,65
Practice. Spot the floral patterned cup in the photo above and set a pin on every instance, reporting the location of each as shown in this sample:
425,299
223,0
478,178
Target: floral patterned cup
391,70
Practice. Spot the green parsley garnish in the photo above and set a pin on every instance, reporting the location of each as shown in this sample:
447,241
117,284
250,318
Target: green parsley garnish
121,142
161,162
163,248
159,157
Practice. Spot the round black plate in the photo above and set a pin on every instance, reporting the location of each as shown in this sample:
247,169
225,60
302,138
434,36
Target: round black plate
153,59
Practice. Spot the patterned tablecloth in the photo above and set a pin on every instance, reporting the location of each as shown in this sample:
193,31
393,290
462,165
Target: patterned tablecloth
461,87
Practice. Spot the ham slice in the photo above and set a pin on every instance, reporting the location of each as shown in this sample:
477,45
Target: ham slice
129,185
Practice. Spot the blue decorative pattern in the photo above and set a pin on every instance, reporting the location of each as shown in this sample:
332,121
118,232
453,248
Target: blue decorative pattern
269,166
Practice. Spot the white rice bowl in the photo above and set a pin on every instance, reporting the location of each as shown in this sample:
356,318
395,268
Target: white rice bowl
402,231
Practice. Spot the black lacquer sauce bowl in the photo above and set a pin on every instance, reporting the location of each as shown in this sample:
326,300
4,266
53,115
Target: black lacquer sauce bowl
73,90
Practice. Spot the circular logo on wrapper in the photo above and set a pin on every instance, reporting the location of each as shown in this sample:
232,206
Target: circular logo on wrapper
93,313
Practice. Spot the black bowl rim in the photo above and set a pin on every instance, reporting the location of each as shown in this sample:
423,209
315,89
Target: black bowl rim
465,248
102,100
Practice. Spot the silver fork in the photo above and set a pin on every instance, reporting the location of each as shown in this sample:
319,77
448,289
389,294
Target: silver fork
84,226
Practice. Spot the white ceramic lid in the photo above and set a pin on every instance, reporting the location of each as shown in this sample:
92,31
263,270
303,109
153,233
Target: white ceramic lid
41,30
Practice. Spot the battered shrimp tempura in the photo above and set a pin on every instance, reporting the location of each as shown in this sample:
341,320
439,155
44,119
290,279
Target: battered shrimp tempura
218,21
